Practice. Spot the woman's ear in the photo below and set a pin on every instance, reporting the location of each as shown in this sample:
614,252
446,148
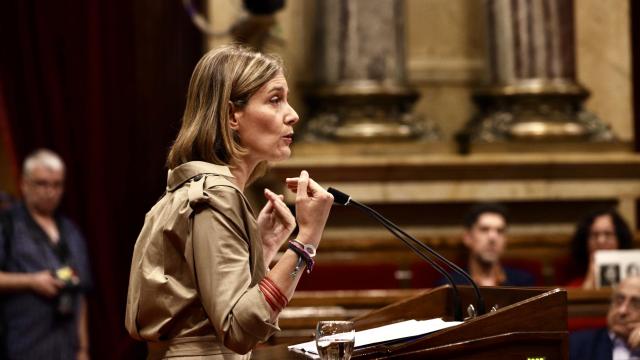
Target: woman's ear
233,116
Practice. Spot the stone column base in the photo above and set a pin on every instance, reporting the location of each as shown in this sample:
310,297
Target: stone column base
363,111
533,111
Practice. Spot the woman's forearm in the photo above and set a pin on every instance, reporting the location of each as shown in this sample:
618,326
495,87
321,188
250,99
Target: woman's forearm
268,254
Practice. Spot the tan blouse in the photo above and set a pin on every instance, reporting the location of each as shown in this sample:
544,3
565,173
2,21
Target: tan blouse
195,269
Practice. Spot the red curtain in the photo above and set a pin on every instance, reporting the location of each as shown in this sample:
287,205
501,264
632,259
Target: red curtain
103,84
8,159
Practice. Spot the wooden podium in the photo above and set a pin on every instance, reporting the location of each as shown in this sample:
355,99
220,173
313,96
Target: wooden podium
529,323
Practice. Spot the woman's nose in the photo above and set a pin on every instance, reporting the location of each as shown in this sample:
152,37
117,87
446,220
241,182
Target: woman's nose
292,117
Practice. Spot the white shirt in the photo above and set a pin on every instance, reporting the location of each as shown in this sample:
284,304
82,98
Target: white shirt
621,350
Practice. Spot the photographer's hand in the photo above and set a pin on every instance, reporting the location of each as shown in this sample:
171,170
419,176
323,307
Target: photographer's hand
45,284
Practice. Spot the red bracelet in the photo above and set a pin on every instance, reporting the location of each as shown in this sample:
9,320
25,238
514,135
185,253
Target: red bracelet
269,298
283,299
274,297
272,294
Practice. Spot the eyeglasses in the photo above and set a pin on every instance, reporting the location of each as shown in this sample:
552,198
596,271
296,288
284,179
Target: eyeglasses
606,235
619,299
44,184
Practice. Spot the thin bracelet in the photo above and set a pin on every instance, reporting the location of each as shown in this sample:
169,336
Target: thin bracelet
303,254
308,248
297,268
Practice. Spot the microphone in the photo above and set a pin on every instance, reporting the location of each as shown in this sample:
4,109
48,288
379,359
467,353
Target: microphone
419,248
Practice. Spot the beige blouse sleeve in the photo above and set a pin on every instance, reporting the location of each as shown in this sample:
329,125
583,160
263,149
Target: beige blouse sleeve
234,305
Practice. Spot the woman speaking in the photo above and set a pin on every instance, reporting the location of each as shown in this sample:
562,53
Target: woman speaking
200,286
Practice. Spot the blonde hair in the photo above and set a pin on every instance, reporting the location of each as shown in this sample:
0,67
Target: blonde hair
42,157
224,76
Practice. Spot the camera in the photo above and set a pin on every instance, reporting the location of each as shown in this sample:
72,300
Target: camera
67,296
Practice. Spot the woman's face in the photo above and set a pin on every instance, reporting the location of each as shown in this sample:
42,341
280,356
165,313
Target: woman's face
265,124
602,235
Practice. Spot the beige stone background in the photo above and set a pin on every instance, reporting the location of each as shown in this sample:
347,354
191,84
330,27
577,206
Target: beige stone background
445,42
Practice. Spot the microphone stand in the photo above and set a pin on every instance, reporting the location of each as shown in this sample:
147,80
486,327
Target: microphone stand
419,248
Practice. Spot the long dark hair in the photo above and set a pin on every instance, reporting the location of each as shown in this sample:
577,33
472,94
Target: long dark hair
580,240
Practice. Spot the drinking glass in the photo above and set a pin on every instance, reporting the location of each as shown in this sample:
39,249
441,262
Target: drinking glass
335,339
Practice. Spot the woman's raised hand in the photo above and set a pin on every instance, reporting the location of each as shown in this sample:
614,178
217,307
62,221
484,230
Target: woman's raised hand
313,204
276,223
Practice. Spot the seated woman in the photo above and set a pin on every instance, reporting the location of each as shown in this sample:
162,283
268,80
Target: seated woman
601,230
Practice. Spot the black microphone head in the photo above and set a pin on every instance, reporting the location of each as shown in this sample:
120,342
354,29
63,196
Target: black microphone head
339,197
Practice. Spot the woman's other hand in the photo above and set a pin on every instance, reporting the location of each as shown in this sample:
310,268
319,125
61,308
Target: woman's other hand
276,223
313,204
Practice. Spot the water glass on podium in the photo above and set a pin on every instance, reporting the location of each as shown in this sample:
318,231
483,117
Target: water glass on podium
335,339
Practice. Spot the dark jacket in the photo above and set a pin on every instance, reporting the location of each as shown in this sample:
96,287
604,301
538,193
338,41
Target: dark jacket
593,344
514,277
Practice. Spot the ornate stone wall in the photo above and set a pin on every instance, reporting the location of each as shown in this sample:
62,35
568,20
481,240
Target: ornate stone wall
445,55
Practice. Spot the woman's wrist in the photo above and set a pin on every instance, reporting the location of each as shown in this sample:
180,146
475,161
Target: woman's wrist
309,237
305,253
308,248
268,254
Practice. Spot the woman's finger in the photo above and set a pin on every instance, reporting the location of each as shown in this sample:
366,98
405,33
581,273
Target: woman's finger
303,183
292,183
283,213
271,196
314,186
311,189
268,208
278,201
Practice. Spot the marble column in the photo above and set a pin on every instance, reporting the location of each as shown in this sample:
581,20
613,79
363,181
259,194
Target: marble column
360,90
531,91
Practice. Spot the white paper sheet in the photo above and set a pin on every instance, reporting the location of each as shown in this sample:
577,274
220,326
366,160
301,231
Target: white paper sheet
401,330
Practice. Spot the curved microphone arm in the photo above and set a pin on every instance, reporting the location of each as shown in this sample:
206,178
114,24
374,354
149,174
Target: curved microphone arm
457,303
415,245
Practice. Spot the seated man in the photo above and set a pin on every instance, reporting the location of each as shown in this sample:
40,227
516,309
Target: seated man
621,338
485,238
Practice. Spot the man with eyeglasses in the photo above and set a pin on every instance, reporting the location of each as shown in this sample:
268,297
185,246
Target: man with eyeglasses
44,270
620,340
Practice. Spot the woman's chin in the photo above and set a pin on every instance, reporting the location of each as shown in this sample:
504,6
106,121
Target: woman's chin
282,155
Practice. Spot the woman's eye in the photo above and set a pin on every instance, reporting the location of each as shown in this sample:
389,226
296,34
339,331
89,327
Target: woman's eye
275,100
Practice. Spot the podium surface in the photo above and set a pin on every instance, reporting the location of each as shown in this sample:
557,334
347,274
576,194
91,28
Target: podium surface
528,323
